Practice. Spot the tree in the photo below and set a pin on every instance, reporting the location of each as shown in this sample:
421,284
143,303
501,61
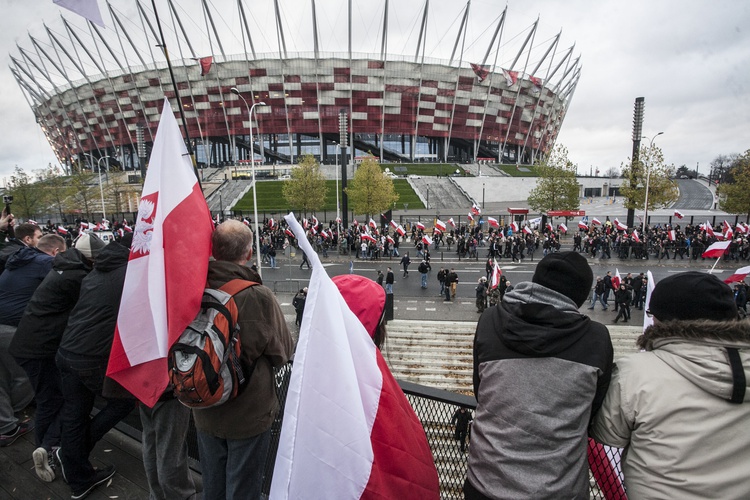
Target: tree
28,196
370,191
557,187
662,190
306,190
81,184
58,189
720,167
735,195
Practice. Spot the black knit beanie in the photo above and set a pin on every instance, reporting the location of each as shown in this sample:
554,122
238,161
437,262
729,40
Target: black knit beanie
567,273
692,295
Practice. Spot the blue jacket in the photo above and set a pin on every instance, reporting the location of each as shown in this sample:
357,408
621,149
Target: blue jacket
23,273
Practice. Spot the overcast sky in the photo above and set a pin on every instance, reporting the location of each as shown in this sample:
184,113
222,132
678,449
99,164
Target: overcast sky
690,59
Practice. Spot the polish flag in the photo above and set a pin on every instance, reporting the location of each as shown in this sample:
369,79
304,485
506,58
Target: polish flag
271,223
563,228
671,235
527,230
514,227
451,222
315,221
372,224
305,224
496,274
596,222
620,226
583,225
469,216
511,77
62,230
550,228
739,275
729,234
389,240
121,232
440,224
493,222
426,240
393,224
355,223
400,230
716,250
338,220
289,233
245,221
367,237
127,228
159,298
678,214
709,229
616,279
475,209
636,238
381,447
324,234
420,226
740,228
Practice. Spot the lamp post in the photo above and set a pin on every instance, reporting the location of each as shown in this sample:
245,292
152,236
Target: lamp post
252,162
101,189
648,178
338,207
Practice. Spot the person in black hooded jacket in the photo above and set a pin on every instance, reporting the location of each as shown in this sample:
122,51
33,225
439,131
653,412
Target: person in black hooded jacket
82,359
541,371
35,344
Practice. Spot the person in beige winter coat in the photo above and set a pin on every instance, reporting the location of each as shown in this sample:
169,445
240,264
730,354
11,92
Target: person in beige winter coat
681,408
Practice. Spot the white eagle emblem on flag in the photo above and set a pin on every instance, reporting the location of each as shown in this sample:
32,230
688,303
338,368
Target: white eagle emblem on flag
144,226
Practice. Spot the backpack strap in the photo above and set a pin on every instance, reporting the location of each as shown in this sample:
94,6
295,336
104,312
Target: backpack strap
235,286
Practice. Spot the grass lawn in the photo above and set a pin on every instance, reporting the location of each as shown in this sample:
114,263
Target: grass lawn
425,169
528,170
271,200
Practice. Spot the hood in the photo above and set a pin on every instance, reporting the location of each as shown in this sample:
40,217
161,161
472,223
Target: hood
538,321
22,257
699,352
220,272
111,257
69,260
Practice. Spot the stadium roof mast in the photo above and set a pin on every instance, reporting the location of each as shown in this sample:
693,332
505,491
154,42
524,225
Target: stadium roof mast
243,19
383,56
422,31
462,37
498,30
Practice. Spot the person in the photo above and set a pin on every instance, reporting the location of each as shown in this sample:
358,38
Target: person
450,279
367,301
405,261
461,419
481,294
541,371
234,438
82,360
608,287
453,282
623,296
25,236
304,260
441,280
299,305
680,407
423,269
380,277
389,279
37,339
25,270
272,256
598,294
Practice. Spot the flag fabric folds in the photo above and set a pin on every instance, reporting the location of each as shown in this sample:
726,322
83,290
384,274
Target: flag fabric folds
496,275
166,272
620,226
470,216
678,214
739,275
475,210
583,225
716,250
400,230
480,71
616,279
563,228
426,240
596,222
451,222
493,222
440,224
348,429
420,226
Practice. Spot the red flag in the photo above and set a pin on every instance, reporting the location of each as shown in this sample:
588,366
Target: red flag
475,209
550,228
440,224
636,238
616,279
620,226
527,230
367,237
671,235
373,224
354,222
511,77
739,275
167,268
596,222
420,226
389,240
393,224
62,230
496,274
127,228
514,227
493,222
709,229
245,221
324,234
470,217
480,71
205,63
716,250
563,228
400,230
678,214
426,240
451,222
583,225
271,223
289,232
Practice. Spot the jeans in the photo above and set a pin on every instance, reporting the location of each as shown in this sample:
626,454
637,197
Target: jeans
82,380
389,288
272,259
15,390
165,428
424,280
233,468
599,298
45,378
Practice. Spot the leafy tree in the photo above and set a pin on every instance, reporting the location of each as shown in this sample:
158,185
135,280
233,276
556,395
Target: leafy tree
58,189
306,190
662,190
612,172
735,195
28,196
720,167
556,187
370,191
81,184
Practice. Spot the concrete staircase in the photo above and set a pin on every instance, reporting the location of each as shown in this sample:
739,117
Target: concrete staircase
439,353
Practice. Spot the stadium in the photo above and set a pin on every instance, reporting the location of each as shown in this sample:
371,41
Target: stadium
468,86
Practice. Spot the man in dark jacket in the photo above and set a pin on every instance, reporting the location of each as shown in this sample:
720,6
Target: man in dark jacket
541,371
26,235
36,341
82,360
234,438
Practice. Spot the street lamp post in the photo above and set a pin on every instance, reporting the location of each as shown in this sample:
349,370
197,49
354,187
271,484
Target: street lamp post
252,162
648,178
338,207
101,188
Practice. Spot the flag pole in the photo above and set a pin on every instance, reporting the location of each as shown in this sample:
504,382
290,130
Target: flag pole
712,268
189,144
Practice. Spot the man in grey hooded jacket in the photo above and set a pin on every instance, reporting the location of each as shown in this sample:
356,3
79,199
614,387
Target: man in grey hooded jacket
681,408
541,370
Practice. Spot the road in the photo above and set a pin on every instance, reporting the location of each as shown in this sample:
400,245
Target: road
694,195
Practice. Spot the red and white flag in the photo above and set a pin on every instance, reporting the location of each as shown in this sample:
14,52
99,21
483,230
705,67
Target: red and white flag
355,223
493,222
159,298
381,447
716,250
583,225
616,279
678,214
367,237
739,275
728,233
393,224
496,274
372,224
636,238
62,230
426,240
469,216
709,229
514,227
420,226
475,209
620,226
127,228
672,235
324,234
289,233
85,8
741,228
511,77
389,240
400,230
245,221
563,227
596,222
440,224
550,228
315,221
527,230
271,223
451,222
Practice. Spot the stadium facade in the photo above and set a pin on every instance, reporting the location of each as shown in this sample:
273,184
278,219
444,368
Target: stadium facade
100,96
